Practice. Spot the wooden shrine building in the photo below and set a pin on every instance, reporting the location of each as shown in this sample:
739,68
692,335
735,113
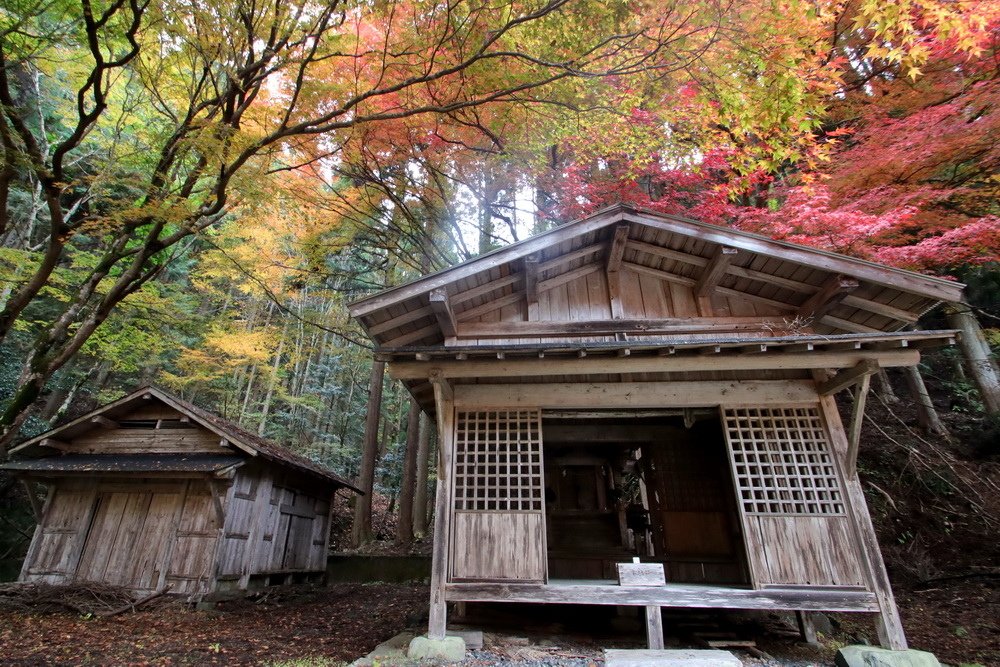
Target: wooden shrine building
636,384
151,491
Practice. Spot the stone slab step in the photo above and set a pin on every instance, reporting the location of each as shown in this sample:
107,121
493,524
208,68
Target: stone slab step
669,658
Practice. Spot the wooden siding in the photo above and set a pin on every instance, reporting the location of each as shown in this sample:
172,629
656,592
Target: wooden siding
498,546
586,297
803,550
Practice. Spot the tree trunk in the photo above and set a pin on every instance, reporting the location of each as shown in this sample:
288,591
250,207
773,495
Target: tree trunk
884,387
981,365
420,486
361,532
926,413
266,408
407,485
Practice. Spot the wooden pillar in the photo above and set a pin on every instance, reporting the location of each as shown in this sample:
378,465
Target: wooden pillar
889,625
420,494
407,485
654,627
444,404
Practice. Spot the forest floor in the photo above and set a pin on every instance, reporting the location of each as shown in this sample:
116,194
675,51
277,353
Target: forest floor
323,627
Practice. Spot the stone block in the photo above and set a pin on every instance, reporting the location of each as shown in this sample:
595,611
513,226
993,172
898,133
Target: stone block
473,638
449,649
870,656
670,658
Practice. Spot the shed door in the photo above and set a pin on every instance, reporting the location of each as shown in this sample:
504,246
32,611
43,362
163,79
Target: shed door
498,521
791,498
56,547
127,539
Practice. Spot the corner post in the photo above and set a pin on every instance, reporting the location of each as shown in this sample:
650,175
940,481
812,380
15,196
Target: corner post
444,404
889,625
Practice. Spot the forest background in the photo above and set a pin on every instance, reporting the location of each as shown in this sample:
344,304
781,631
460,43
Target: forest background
191,192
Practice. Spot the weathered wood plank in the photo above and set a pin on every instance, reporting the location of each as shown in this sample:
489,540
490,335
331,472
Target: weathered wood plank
671,595
715,270
475,368
636,394
650,326
847,377
443,313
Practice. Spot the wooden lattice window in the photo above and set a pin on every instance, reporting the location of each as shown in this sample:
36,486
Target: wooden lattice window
782,462
498,461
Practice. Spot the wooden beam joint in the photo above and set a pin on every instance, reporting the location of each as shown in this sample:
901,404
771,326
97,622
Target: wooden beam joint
848,377
829,297
715,270
443,312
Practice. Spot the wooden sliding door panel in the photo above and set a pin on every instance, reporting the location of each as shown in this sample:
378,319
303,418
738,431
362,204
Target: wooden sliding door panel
790,493
498,507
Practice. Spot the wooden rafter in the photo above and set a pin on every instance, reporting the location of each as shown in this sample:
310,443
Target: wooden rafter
443,313
715,270
616,249
848,377
104,421
829,297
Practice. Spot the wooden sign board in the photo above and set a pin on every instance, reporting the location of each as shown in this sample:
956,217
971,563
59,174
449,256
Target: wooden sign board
641,574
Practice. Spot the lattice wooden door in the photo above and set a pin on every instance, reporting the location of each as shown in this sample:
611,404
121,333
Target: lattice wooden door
791,498
498,520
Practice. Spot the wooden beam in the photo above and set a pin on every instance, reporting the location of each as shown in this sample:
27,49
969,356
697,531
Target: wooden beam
399,320
828,298
857,418
669,325
654,627
485,288
569,276
671,595
443,313
691,282
847,325
848,377
715,270
531,287
636,394
104,421
490,306
666,363
568,257
220,512
616,249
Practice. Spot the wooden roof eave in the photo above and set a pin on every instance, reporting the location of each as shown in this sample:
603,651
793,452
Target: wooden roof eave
790,352
930,287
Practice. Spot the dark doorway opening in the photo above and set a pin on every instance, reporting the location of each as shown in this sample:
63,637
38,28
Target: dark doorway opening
653,484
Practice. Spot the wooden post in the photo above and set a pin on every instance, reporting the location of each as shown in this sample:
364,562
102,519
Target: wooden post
806,627
857,419
977,355
654,627
420,493
889,625
443,399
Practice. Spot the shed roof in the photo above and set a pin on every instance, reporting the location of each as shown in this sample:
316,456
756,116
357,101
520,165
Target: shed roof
781,274
166,463
239,438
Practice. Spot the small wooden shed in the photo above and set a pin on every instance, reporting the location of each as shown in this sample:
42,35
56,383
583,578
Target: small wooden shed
151,491
641,385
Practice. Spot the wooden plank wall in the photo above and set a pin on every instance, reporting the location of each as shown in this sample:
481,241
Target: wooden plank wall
814,550
273,525
642,297
179,437
498,546
136,533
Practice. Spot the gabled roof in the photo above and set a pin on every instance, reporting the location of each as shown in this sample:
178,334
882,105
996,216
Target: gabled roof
781,275
237,437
